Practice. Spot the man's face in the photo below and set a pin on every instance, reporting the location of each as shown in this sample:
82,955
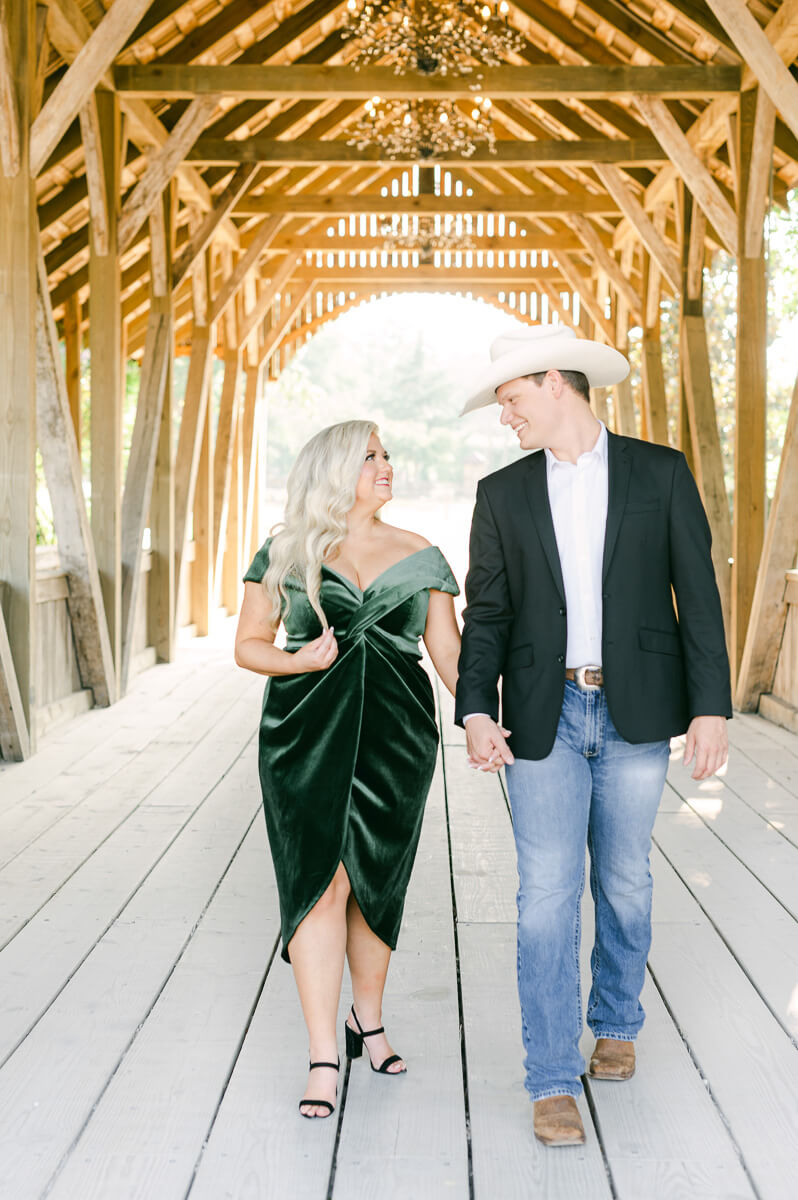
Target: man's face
530,410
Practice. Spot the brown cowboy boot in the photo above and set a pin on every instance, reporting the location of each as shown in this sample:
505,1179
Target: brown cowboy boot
612,1059
557,1121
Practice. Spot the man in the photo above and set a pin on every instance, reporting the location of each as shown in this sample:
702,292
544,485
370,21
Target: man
591,593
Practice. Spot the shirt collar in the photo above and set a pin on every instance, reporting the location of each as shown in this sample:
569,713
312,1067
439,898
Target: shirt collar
598,451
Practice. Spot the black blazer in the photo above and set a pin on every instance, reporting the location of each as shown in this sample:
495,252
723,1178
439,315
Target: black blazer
659,670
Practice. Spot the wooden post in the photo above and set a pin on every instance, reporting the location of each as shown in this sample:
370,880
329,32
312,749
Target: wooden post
202,576
72,345
18,235
223,460
750,402
707,459
162,593
232,568
105,340
769,610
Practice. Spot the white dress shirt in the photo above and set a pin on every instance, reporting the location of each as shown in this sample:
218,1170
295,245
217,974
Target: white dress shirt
578,501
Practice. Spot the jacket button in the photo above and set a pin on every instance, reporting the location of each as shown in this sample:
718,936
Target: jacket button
562,612
560,658
605,596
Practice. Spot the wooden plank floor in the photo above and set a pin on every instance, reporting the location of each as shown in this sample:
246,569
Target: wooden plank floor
151,1043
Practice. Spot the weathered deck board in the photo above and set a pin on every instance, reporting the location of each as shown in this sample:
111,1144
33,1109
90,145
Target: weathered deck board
152,1042
416,1122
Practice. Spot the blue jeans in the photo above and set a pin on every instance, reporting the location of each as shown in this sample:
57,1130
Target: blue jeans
598,790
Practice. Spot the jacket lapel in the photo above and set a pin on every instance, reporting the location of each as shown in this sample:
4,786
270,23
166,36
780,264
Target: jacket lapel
537,494
619,469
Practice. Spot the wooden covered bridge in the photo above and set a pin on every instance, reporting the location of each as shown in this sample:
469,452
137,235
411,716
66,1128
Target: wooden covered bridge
216,179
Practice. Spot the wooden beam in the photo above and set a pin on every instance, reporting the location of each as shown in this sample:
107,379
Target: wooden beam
9,107
750,404
302,152
275,335
144,196
64,476
249,437
105,344
711,129
591,239
696,176
141,469
176,81
82,77
579,284
531,241
95,174
18,251
757,51
263,237
549,204
279,278
769,606
632,209
202,236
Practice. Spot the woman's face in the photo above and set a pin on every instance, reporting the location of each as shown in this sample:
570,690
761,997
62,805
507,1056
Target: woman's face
376,475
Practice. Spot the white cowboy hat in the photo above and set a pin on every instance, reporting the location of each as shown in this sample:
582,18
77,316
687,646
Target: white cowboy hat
530,348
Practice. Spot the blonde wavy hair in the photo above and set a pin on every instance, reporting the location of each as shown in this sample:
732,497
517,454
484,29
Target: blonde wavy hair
321,492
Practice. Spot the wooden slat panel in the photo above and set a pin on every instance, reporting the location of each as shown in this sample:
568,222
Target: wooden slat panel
14,737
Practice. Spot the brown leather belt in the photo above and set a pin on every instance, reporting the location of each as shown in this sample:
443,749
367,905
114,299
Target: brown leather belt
586,678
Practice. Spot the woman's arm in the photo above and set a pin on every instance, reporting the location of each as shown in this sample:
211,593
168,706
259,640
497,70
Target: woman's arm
442,637
255,648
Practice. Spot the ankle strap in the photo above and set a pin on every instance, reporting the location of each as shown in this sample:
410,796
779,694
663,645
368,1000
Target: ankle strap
334,1066
363,1033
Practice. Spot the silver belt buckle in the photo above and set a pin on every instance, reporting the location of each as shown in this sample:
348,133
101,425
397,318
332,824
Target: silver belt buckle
581,682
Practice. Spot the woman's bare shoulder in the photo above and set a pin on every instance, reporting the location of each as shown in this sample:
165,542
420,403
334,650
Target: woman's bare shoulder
405,539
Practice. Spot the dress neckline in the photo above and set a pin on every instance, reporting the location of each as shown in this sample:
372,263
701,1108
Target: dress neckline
377,578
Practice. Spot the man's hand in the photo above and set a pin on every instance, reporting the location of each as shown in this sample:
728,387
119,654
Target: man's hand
708,741
487,749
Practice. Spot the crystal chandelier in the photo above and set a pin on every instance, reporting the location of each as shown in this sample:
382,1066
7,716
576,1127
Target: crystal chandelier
435,37
425,235
424,129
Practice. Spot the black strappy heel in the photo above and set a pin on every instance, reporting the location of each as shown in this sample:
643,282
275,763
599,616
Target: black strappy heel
336,1066
354,1046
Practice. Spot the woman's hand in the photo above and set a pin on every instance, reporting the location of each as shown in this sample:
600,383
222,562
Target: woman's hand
317,655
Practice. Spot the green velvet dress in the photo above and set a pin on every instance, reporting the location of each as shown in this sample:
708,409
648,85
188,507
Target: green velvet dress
347,754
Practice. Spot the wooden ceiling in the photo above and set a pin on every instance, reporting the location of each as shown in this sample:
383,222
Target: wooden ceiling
250,106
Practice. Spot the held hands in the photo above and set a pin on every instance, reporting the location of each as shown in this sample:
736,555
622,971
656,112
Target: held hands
487,749
708,741
317,655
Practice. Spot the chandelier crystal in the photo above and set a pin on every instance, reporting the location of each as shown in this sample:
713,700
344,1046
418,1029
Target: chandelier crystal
425,236
424,129
435,37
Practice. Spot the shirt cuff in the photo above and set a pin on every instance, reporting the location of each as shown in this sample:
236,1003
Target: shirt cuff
468,716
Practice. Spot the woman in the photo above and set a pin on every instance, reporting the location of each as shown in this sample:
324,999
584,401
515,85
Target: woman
348,738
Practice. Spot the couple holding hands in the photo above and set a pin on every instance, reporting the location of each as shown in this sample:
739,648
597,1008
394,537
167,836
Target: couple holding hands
577,554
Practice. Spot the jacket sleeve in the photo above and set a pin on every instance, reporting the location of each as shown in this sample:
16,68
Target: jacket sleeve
488,617
697,600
